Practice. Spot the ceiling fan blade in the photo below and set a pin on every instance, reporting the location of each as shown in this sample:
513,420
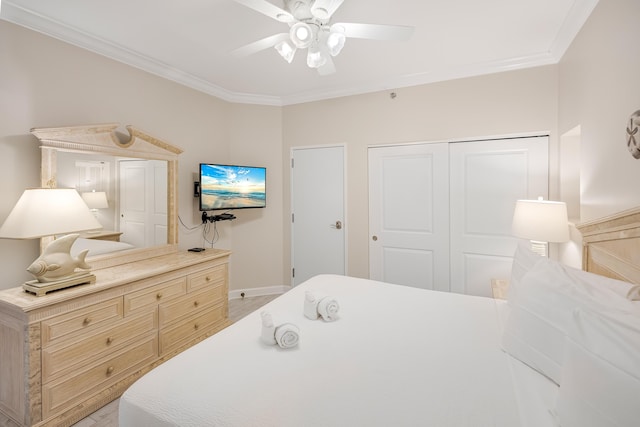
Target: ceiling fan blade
268,9
259,45
376,31
323,9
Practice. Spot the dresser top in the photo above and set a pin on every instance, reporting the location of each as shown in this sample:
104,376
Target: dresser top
16,299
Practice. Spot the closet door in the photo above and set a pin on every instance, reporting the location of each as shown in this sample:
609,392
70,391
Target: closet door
143,202
409,215
487,177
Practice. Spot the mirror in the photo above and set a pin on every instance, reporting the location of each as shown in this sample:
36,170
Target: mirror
138,176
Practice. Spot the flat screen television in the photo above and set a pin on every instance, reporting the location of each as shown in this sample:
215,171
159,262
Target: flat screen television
224,187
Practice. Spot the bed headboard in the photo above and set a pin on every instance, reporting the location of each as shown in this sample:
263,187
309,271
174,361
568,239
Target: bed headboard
611,245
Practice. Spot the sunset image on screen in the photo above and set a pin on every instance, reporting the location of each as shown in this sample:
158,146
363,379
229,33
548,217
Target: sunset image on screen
232,187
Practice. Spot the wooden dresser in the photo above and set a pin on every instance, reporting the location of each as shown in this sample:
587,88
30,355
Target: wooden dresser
70,352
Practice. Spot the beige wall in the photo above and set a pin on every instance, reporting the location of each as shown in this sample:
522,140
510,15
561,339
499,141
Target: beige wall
44,82
493,105
256,140
599,89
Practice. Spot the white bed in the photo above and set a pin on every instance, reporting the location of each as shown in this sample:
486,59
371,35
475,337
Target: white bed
98,247
395,355
400,356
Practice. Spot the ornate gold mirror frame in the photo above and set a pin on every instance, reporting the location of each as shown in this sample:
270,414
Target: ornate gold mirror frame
102,139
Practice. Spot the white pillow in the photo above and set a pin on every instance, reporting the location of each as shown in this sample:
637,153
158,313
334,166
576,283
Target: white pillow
524,259
597,282
541,314
601,373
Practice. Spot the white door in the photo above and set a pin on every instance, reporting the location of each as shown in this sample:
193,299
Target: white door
487,177
143,202
409,215
318,218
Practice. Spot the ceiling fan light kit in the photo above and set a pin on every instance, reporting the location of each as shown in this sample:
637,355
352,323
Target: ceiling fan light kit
336,39
286,50
310,28
315,58
301,35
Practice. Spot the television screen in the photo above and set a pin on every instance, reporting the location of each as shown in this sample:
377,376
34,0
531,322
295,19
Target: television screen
232,187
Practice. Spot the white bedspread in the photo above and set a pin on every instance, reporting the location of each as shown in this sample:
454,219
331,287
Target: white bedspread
397,356
98,247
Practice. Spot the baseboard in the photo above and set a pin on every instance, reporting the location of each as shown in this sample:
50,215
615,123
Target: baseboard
258,292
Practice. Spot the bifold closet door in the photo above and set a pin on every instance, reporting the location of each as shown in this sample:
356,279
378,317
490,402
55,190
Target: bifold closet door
486,178
440,214
409,215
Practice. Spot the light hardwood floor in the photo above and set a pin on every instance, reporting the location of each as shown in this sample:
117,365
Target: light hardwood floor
108,415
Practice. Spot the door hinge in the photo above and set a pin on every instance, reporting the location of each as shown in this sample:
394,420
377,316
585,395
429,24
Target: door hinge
292,162
293,272
293,217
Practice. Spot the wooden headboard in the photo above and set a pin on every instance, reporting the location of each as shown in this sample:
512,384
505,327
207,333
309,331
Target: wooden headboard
611,245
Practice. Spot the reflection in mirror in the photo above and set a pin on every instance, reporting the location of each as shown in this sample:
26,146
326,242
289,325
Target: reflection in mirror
136,175
128,196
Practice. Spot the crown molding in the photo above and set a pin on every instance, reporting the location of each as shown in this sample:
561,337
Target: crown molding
578,15
433,76
49,27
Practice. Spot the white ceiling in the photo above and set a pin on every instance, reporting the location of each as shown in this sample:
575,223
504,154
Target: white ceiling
189,41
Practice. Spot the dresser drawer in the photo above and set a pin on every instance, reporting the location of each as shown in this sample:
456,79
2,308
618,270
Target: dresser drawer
150,297
217,274
190,303
59,394
86,319
191,328
71,354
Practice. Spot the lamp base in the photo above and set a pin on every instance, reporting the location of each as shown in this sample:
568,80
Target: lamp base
40,289
539,247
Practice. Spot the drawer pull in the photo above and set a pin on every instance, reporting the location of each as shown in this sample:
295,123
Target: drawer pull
109,340
86,321
110,370
195,303
195,326
208,279
159,295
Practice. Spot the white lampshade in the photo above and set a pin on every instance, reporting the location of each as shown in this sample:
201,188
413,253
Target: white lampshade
336,40
95,199
315,58
46,212
541,220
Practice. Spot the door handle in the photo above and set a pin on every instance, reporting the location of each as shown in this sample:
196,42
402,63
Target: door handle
337,225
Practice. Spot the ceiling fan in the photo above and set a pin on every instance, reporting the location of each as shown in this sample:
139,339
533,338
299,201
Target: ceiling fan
310,28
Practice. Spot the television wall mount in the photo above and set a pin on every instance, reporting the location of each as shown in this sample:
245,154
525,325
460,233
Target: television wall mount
216,218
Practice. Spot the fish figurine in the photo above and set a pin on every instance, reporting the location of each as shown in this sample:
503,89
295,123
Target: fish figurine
56,262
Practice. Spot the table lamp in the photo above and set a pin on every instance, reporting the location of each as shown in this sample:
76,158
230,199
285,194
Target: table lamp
541,221
95,200
42,212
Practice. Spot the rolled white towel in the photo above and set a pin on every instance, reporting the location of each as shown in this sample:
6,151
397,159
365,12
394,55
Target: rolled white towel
287,335
268,335
311,305
328,308
634,293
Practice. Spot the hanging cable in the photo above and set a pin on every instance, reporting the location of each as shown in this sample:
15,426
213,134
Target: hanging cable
206,230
